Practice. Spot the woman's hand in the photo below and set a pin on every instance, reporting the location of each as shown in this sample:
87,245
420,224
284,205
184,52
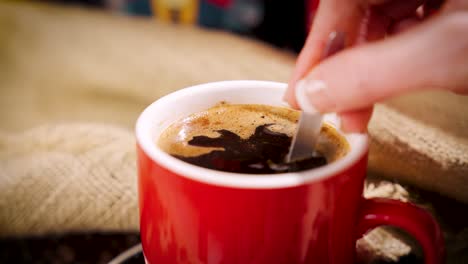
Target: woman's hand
395,47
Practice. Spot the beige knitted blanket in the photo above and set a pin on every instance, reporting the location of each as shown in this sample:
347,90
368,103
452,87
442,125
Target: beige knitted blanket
72,83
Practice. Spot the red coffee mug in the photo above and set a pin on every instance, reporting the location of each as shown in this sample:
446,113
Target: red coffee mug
190,214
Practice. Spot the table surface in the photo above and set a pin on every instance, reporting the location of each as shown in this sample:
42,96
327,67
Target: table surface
77,248
92,249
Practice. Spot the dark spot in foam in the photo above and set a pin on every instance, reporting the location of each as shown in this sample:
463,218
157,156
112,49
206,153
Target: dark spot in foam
262,153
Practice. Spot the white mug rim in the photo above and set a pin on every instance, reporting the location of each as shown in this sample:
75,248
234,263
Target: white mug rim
358,147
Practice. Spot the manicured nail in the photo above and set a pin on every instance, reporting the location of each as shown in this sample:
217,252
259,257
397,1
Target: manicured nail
309,93
289,99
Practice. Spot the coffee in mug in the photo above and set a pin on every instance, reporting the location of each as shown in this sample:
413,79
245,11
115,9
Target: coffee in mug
190,214
246,138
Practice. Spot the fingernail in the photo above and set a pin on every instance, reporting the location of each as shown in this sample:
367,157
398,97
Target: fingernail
289,98
309,94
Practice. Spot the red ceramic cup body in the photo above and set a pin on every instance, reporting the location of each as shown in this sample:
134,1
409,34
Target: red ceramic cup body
190,214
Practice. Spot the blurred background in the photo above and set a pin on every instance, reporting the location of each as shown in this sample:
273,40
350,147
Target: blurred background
281,23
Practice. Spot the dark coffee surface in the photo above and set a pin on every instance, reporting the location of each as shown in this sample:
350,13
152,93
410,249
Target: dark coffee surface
263,152
249,138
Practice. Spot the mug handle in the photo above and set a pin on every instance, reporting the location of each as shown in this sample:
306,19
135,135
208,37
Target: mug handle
414,220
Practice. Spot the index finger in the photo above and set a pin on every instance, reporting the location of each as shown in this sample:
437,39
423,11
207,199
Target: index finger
332,15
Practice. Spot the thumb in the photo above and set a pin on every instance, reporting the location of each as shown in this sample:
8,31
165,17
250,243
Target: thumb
430,55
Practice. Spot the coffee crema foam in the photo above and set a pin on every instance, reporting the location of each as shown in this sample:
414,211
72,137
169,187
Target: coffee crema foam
242,119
